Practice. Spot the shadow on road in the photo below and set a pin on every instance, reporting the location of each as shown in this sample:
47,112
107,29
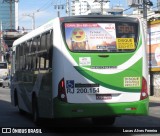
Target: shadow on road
10,117
154,104
86,126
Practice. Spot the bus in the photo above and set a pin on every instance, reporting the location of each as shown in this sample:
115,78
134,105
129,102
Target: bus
3,69
82,67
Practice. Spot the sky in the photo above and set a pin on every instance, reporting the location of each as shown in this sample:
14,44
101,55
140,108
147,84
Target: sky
44,11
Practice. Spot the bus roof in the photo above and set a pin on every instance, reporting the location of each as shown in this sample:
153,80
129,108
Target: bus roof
101,17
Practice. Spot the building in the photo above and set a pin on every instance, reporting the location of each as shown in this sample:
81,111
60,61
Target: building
8,26
85,7
116,10
9,14
79,7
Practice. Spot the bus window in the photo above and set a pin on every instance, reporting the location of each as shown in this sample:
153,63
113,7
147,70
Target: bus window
43,42
49,49
25,52
28,62
45,51
42,62
21,61
106,37
34,44
38,49
33,53
17,57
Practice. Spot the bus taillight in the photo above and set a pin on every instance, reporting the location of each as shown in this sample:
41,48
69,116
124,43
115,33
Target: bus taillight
144,91
61,91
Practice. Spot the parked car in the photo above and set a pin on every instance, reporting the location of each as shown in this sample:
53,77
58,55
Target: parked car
6,82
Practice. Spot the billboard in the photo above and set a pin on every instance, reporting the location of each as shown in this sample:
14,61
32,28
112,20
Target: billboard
153,45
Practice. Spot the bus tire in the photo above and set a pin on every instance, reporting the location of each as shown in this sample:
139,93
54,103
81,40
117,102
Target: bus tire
35,113
17,103
103,120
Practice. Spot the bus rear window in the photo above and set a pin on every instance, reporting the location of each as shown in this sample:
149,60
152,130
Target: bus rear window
3,65
107,37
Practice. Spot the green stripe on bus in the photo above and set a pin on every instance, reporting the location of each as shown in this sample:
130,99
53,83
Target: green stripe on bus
114,81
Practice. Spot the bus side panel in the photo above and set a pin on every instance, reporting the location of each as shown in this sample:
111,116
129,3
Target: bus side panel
57,61
43,88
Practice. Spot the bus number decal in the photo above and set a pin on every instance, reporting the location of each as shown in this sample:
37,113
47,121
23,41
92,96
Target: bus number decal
82,90
92,90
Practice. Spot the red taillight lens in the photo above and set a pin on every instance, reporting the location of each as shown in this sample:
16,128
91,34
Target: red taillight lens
61,91
144,91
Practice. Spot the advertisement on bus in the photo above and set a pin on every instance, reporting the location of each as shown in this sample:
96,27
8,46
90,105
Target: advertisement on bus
90,36
110,37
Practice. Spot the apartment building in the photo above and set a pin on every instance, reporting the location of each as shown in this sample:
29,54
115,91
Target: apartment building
84,7
9,14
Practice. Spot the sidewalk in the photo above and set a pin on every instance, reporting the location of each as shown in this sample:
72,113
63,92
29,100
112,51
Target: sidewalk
154,99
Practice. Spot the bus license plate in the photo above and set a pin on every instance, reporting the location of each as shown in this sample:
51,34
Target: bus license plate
92,90
103,96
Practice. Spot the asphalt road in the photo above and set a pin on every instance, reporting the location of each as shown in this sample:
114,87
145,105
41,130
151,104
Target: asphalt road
11,118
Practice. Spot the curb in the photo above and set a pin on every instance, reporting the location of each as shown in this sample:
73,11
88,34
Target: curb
154,99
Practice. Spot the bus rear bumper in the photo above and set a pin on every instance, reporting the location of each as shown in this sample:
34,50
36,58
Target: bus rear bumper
70,110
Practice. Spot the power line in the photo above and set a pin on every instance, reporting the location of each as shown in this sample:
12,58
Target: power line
45,6
127,9
42,8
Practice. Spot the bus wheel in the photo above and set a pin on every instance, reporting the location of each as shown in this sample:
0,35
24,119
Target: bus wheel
35,113
104,120
17,103
21,111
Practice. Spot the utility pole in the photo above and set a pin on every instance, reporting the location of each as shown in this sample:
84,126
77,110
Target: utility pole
32,15
1,39
145,4
145,16
145,9
68,7
58,7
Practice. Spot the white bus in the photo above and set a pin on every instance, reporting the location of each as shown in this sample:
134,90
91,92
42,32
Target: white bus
82,66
